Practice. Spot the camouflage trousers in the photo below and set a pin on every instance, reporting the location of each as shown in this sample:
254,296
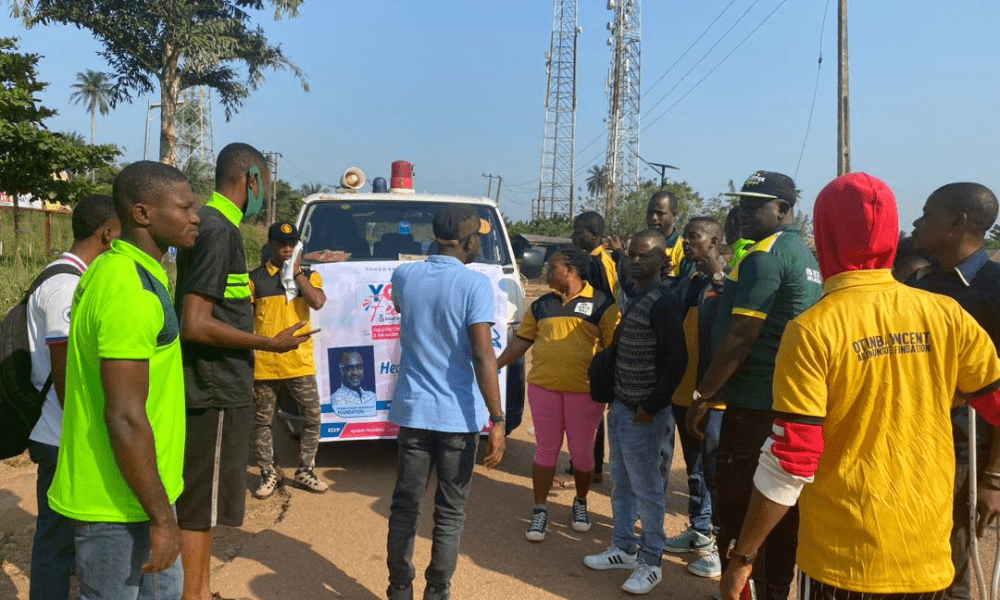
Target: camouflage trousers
265,397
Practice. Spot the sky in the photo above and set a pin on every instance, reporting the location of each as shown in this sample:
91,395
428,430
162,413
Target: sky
457,88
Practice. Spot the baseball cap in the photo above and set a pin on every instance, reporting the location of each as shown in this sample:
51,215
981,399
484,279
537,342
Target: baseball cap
456,222
769,185
282,231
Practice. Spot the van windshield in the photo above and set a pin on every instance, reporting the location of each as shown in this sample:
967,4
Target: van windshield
340,230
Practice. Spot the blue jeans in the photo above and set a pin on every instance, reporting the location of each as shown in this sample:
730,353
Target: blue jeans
109,559
637,480
699,460
420,450
53,549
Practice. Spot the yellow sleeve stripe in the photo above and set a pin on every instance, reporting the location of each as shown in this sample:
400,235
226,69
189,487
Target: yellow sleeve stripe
746,312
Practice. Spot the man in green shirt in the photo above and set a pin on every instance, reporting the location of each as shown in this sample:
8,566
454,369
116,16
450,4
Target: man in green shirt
775,282
122,454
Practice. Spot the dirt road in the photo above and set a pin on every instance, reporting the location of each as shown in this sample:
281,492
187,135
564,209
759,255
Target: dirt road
329,546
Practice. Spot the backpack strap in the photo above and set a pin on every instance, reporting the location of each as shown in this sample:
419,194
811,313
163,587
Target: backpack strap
49,272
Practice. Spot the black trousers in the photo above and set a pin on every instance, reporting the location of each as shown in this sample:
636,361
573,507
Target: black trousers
742,435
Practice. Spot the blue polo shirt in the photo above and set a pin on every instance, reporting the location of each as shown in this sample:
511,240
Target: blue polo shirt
975,285
438,300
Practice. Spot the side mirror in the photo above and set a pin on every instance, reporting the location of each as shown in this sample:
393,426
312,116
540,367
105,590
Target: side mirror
531,263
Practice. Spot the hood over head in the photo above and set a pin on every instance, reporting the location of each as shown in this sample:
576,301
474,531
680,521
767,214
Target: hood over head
856,225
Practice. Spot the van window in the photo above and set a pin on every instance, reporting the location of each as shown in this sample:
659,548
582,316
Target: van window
388,231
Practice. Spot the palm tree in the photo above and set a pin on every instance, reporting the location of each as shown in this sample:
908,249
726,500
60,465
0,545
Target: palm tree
597,181
93,88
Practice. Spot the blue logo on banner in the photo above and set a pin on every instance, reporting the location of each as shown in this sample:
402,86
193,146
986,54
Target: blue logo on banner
404,228
331,430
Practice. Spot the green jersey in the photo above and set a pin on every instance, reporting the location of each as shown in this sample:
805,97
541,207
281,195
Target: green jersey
121,310
776,281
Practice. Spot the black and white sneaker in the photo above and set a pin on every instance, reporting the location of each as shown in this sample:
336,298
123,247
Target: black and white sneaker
581,520
612,558
539,522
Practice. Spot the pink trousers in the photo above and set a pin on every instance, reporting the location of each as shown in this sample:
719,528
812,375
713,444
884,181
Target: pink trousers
574,414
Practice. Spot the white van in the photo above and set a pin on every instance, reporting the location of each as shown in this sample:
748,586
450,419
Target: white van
355,240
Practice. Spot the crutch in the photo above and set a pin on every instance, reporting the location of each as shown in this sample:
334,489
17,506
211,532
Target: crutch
973,538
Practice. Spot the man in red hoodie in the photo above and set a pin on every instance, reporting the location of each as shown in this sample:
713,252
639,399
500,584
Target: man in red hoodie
862,392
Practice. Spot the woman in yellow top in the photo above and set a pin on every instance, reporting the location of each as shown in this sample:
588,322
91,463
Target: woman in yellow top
567,327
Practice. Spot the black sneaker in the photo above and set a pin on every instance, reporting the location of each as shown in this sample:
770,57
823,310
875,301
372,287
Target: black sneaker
581,520
539,522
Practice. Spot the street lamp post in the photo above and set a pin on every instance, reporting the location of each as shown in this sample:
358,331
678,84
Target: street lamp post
145,140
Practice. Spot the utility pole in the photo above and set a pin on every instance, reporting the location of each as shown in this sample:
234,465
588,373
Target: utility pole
843,96
272,163
489,188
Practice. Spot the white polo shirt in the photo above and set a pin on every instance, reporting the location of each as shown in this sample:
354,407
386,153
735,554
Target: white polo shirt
48,323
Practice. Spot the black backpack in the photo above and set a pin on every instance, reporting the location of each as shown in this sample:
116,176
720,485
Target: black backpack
20,401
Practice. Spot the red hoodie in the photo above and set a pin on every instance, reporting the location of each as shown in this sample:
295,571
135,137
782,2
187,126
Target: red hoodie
856,225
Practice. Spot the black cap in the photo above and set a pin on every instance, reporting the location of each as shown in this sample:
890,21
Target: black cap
456,222
282,231
770,185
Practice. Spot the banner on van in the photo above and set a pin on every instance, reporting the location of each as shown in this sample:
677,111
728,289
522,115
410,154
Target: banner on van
357,352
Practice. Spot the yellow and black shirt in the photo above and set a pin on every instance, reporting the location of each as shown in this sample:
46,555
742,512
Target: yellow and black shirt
272,315
567,333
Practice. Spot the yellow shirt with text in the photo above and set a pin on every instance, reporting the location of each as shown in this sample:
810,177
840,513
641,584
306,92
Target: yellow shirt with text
880,363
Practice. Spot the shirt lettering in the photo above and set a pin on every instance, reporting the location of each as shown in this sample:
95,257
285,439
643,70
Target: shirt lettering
909,342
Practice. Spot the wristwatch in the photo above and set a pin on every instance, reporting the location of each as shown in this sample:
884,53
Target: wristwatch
744,559
496,420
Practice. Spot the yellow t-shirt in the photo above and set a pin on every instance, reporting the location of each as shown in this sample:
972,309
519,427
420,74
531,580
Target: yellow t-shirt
880,362
676,256
271,315
567,333
610,270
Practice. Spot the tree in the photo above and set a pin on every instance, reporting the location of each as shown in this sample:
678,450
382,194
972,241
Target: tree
629,216
557,226
201,175
34,160
597,181
308,189
93,88
177,43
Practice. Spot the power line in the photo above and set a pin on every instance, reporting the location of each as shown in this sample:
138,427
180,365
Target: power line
724,59
693,44
703,57
812,107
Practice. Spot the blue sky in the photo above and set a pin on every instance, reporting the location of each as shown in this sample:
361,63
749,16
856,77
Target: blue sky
457,88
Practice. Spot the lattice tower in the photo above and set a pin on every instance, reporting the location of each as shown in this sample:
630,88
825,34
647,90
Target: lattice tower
194,127
555,180
623,96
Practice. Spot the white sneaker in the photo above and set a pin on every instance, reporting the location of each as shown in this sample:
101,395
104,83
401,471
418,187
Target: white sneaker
643,579
539,522
612,558
689,540
707,566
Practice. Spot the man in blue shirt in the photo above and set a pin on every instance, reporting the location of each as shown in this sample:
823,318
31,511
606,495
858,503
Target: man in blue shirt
951,232
447,370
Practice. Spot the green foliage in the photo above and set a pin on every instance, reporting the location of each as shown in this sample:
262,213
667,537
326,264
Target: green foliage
172,45
287,201
201,175
254,238
597,181
21,262
558,226
30,155
629,215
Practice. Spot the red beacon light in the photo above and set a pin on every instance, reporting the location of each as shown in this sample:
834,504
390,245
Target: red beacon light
402,178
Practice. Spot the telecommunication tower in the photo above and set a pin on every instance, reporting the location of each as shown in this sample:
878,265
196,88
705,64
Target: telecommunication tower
623,96
194,127
555,181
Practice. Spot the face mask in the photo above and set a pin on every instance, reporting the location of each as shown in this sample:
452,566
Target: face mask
254,202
